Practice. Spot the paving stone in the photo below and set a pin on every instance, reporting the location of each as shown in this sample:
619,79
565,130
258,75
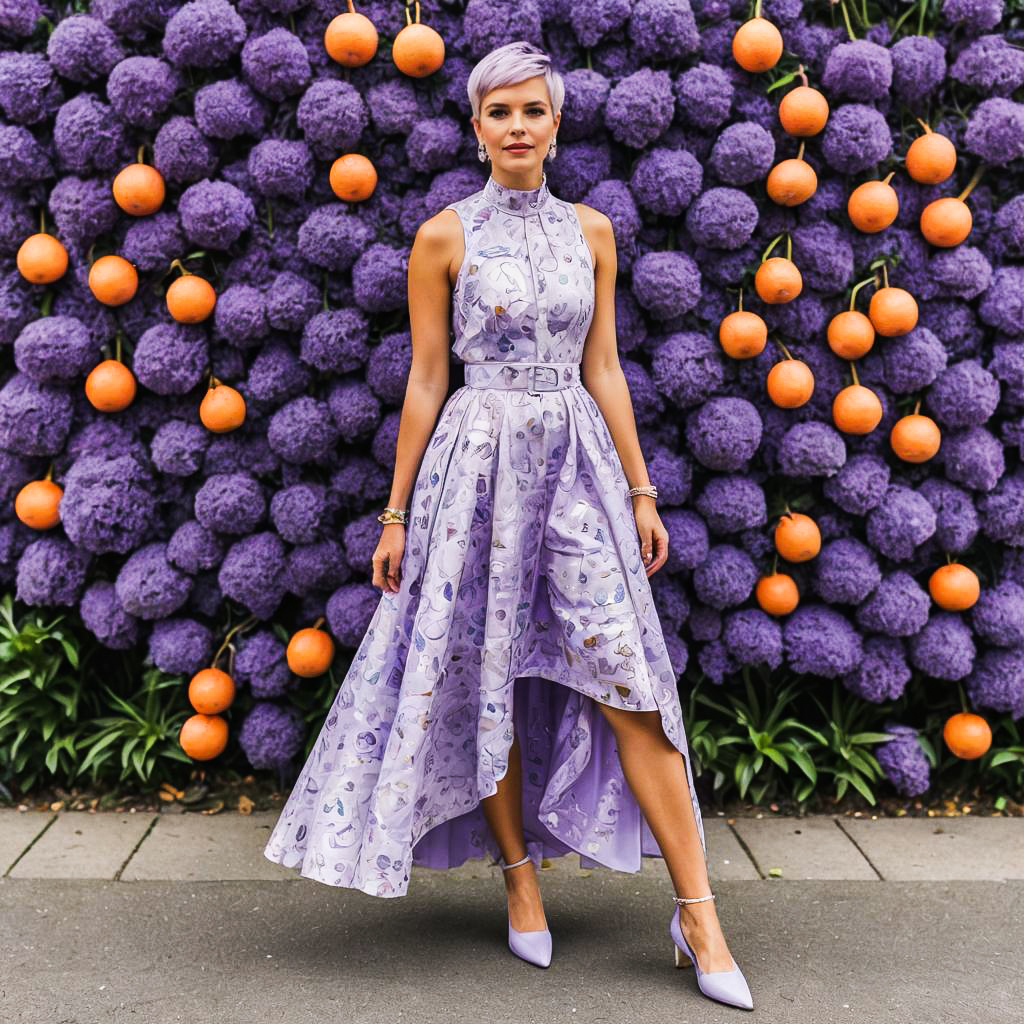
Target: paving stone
803,848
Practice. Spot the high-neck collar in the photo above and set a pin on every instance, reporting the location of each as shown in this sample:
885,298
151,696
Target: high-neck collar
518,200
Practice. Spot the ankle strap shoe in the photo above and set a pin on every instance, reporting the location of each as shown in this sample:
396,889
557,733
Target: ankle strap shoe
728,987
535,946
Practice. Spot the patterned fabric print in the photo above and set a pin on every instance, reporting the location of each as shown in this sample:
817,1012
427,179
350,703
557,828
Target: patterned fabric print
522,571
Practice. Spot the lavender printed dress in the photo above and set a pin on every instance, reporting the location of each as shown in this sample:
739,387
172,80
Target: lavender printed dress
523,601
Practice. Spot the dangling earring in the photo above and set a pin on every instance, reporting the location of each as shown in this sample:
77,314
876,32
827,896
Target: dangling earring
552,148
481,152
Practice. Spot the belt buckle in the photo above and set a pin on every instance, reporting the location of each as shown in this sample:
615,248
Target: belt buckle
532,377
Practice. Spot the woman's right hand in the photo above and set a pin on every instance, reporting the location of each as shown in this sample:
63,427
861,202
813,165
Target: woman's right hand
387,559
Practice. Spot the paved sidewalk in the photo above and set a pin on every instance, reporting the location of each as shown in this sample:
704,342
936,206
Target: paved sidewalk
160,918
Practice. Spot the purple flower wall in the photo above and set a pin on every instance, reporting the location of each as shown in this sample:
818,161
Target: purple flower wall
243,112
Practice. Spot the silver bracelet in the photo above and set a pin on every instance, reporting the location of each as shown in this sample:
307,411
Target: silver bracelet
648,489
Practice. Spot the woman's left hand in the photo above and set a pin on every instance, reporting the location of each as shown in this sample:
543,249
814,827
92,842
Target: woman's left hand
653,535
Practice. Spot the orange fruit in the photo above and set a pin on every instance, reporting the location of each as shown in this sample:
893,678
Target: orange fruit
353,177
113,280
892,311
778,280
791,182
915,438
850,334
856,410
931,158
310,652
757,45
797,537
37,504
222,409
946,222
968,736
190,299
777,594
803,111
139,190
42,259
110,386
351,39
418,50
211,690
873,206
790,383
954,587
203,737
743,334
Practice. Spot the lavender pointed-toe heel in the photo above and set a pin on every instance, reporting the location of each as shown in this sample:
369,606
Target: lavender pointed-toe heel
728,987
535,946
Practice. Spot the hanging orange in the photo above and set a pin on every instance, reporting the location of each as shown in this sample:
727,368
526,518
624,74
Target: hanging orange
931,158
110,386
353,177
743,334
777,594
790,383
915,438
856,410
803,111
893,312
757,45
310,652
797,537
211,690
113,280
42,259
946,222
791,182
222,409
190,299
778,280
418,50
139,190
954,587
351,39
203,737
850,334
873,206
37,504
968,736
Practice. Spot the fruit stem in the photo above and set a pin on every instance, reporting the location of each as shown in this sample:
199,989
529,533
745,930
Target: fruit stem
49,473
47,304
846,19
244,624
740,304
181,266
771,246
885,274
975,178
800,151
117,353
917,406
924,125
789,246
270,219
789,355
857,287
888,178
42,220
757,9
139,156
853,371
802,75
318,623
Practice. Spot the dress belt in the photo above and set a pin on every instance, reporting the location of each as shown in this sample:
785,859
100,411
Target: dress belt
531,377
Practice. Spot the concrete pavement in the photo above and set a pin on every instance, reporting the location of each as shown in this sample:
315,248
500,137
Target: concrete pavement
179,917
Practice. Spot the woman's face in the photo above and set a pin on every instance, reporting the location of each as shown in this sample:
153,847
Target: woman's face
517,114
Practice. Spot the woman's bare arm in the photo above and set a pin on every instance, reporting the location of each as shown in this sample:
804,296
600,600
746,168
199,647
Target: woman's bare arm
600,370
429,317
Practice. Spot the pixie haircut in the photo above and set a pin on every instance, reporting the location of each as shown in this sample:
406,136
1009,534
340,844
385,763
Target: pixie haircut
509,65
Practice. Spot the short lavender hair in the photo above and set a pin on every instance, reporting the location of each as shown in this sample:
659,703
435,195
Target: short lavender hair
509,65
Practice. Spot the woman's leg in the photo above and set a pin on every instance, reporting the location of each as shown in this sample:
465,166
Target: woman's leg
504,814
656,774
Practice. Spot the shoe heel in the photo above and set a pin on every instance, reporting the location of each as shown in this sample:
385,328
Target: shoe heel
681,959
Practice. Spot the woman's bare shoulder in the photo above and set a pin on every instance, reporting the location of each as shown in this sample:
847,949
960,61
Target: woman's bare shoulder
597,230
441,237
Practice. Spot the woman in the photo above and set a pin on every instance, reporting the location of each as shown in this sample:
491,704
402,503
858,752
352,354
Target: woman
515,595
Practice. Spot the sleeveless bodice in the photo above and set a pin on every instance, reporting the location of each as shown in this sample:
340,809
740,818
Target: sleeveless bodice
525,290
